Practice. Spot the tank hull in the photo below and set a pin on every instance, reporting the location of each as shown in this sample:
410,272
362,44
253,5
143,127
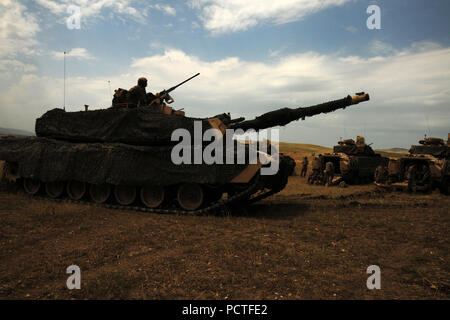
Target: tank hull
363,168
114,163
141,170
426,167
400,178
351,168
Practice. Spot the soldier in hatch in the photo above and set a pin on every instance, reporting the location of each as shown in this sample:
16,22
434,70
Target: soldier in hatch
138,96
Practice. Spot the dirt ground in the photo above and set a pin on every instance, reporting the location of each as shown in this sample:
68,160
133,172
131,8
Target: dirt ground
307,242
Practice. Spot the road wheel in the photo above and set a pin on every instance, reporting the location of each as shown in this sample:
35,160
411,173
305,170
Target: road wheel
100,192
76,189
125,195
31,186
152,196
190,196
54,189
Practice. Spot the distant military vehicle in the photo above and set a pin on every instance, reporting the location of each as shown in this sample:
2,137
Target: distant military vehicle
426,167
123,155
353,162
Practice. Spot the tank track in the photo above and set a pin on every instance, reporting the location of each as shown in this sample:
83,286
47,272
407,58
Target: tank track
257,189
214,207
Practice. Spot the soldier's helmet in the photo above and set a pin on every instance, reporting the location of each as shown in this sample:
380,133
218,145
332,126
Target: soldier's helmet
142,82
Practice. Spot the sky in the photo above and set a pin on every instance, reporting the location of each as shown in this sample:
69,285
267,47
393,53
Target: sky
253,56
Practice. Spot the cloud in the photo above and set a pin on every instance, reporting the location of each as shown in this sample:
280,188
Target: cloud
351,29
407,87
77,53
93,8
378,47
421,75
54,6
16,66
277,53
165,8
224,16
18,29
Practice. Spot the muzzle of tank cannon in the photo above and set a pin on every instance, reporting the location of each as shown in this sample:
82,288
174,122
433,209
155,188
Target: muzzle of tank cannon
282,117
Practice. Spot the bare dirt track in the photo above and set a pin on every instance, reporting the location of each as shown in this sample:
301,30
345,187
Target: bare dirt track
308,242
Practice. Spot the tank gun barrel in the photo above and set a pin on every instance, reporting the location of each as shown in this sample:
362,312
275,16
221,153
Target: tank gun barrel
284,116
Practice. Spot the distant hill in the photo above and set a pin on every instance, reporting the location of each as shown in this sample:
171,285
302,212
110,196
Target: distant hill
396,150
303,148
15,132
393,152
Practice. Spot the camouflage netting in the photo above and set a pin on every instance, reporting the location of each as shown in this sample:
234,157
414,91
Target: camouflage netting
138,126
53,160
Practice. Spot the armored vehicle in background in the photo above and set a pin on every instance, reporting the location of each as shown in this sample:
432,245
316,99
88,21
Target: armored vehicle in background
123,157
426,167
353,162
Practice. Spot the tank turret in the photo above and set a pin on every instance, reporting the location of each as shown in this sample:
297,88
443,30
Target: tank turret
350,147
347,142
431,141
149,126
432,146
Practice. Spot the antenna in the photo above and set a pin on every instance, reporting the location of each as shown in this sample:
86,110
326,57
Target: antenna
345,131
109,83
64,81
428,125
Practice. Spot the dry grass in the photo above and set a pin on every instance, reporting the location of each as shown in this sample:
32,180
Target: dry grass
308,242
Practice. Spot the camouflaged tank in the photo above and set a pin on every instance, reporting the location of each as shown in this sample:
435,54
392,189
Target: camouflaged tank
354,162
425,168
122,156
